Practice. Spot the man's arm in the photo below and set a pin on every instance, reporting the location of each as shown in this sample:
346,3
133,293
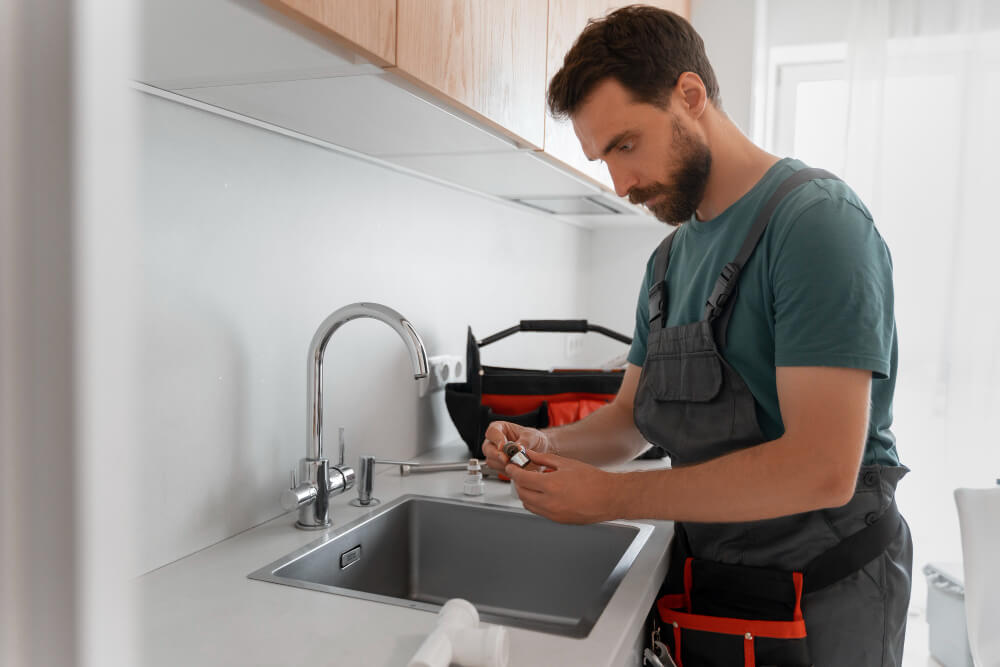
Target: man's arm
813,465
607,435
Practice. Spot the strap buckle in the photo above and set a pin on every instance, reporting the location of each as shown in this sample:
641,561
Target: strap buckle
723,289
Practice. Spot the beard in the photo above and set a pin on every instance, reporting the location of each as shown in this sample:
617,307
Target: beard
681,198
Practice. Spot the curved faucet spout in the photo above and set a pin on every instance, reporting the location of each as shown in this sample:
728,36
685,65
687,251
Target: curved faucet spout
399,324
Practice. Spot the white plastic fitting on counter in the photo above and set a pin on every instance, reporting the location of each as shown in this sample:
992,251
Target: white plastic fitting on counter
459,640
473,484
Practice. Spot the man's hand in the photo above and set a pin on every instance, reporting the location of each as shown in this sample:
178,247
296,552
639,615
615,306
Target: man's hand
568,491
500,433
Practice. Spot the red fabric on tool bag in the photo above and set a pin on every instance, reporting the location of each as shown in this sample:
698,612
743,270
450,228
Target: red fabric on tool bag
561,408
572,410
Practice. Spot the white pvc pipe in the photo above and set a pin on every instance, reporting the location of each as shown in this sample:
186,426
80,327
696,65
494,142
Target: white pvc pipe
458,639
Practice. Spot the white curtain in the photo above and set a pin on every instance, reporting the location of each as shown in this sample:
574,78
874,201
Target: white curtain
923,150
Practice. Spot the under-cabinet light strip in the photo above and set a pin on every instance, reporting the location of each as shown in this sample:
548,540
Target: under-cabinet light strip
347,152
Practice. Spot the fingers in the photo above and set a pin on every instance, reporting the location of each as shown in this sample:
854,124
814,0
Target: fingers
494,458
536,502
496,433
530,438
546,459
526,479
531,499
496,436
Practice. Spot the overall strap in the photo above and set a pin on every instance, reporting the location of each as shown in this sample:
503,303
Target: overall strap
657,292
720,302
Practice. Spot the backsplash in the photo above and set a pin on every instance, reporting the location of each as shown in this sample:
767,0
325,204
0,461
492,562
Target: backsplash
249,239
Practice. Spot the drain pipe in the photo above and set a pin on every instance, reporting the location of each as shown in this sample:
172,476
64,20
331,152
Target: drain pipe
458,639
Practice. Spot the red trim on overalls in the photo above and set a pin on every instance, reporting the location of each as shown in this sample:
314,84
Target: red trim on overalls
797,580
671,606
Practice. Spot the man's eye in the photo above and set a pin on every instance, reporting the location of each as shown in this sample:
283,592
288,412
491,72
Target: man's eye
625,148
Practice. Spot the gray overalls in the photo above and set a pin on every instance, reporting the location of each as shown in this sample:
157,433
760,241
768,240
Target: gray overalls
828,587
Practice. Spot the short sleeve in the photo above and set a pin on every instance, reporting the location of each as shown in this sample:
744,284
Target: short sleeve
637,353
832,289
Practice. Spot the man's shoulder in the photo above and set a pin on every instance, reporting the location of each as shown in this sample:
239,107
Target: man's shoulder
822,199
825,210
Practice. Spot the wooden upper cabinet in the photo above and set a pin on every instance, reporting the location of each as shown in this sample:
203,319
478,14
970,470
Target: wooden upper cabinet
567,18
366,25
488,55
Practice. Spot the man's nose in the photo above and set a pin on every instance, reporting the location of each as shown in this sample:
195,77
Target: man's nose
623,180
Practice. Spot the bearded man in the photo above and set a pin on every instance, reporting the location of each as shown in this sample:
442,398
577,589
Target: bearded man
763,362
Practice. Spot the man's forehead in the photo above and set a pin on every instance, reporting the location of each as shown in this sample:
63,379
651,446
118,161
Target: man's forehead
608,98
607,112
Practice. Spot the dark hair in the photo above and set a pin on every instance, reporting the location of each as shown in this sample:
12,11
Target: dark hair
646,49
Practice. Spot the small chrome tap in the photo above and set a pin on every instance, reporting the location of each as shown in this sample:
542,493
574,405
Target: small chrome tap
318,479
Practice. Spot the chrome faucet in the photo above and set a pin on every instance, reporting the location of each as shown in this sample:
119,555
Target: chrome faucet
319,479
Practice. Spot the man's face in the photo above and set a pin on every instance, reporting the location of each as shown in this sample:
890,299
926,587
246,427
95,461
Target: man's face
655,156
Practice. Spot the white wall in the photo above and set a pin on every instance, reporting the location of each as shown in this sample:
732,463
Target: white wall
616,266
806,21
249,239
727,27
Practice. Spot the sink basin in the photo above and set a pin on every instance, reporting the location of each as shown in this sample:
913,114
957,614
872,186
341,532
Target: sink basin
518,569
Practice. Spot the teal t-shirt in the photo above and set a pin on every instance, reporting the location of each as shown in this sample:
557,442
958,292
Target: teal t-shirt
817,291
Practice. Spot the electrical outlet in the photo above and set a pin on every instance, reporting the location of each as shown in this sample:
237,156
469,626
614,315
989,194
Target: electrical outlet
574,345
445,368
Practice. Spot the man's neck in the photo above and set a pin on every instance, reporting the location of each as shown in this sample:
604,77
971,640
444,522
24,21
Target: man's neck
737,165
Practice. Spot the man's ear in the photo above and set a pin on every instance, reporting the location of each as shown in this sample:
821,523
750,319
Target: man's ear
691,94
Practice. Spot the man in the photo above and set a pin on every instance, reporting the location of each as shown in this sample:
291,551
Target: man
773,399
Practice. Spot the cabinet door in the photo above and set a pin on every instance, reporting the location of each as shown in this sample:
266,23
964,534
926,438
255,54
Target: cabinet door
369,25
567,18
488,55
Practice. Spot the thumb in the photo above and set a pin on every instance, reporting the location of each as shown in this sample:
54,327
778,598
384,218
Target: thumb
498,433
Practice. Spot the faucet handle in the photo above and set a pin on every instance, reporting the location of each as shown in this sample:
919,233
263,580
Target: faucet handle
340,460
297,496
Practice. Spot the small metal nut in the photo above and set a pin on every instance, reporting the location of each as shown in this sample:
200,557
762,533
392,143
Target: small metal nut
512,448
515,453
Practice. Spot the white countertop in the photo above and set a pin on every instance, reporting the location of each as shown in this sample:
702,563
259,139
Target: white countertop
202,609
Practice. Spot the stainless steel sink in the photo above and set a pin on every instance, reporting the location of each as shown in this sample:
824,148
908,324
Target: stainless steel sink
518,569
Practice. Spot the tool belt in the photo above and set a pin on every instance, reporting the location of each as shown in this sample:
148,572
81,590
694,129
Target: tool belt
713,613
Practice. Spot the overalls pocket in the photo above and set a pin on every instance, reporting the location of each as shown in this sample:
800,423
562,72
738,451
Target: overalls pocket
692,403
694,377
734,615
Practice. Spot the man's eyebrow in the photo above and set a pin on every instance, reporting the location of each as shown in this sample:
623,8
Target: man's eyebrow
614,142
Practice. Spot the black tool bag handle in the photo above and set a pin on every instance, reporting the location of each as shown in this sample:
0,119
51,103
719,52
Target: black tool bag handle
556,326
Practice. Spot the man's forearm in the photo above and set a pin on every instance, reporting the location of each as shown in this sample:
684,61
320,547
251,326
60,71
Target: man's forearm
606,436
762,482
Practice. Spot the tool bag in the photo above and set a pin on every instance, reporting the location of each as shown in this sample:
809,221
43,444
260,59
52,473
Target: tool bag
534,398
